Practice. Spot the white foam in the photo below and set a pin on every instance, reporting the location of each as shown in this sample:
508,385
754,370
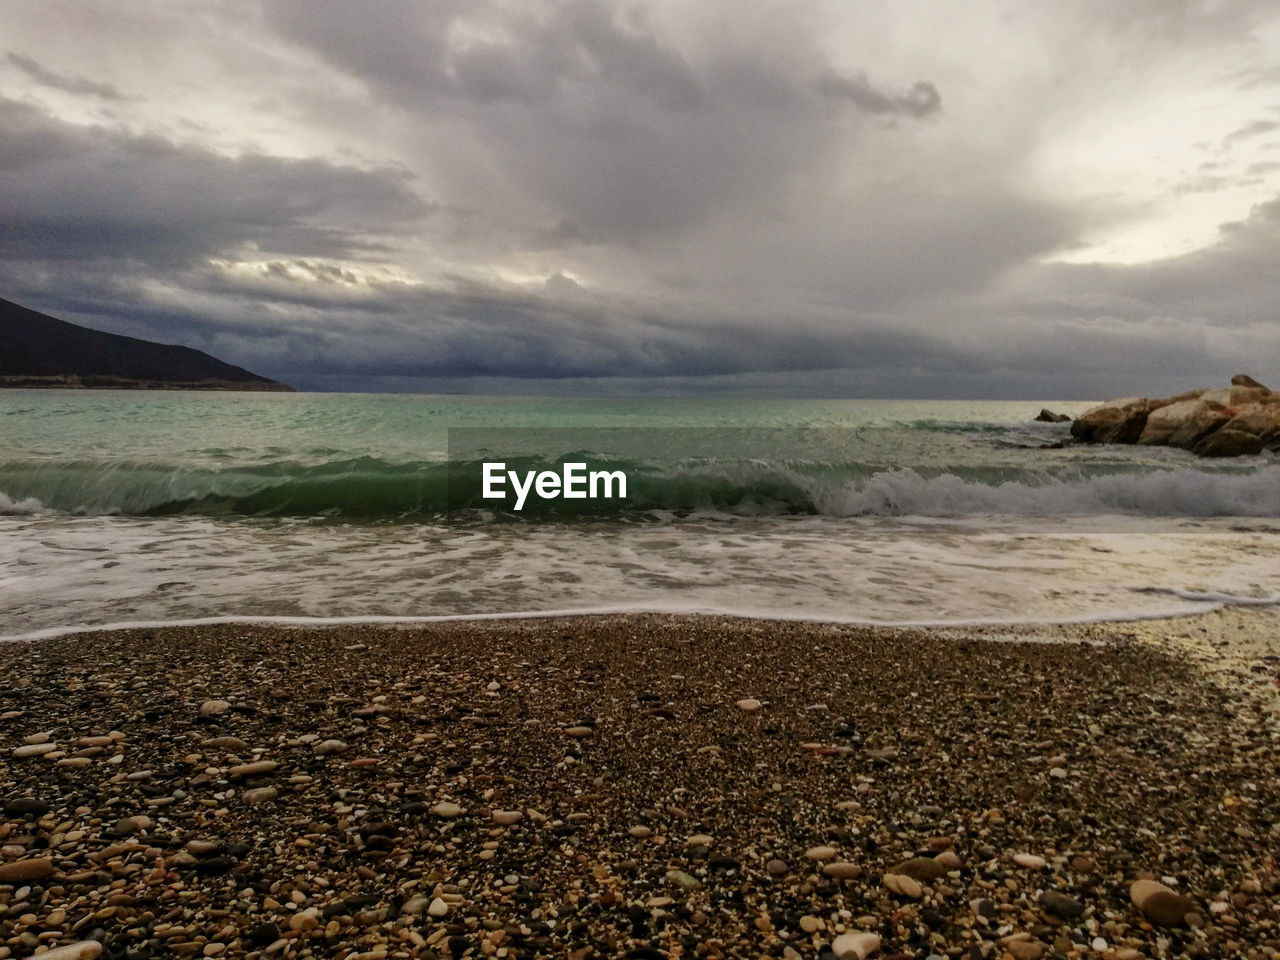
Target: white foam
65,574
28,506
1183,492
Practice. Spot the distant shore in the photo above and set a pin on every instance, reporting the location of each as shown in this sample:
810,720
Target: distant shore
124,383
642,786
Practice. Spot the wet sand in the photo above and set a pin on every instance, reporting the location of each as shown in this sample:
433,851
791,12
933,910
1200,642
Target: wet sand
592,787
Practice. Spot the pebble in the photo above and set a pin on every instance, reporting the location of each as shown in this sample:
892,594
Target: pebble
1061,905
84,950
128,826
777,868
24,871
920,868
227,744
1159,904
446,810
214,708
855,946
842,870
578,733
25,807
252,769
906,886
750,705
1058,773
504,818
810,924
438,908
33,750
330,746
640,832
683,880
821,853
1029,860
260,795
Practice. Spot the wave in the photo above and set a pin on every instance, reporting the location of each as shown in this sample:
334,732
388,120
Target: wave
371,489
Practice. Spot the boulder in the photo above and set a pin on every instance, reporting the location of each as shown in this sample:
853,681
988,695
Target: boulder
1048,416
1204,420
1244,380
1117,421
1164,421
1229,443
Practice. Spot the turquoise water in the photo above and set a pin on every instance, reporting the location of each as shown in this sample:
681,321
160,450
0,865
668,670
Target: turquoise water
379,458
123,507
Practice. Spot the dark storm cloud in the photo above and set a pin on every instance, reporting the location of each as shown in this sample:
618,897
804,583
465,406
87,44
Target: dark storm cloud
80,86
679,197
920,100
72,193
592,112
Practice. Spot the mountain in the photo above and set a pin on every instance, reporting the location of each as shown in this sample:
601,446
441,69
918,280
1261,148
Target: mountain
40,351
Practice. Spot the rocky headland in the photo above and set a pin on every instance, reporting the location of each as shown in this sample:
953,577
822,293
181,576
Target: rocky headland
1240,420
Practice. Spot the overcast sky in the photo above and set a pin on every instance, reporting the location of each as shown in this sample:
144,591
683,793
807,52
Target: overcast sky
987,199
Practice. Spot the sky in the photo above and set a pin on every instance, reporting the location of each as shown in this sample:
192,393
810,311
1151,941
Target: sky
924,199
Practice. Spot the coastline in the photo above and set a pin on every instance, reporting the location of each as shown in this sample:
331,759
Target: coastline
656,817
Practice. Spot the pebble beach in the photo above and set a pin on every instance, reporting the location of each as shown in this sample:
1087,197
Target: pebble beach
644,786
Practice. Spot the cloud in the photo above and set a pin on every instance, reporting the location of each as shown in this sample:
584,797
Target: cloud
79,86
564,195
88,193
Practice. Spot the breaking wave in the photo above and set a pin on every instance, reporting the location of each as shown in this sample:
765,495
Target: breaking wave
369,489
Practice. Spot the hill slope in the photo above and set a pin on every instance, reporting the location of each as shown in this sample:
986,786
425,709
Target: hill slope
40,351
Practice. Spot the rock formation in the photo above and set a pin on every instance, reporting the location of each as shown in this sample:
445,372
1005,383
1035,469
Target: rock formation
1243,419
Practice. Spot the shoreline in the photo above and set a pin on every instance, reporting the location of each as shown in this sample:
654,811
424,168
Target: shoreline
1210,604
592,787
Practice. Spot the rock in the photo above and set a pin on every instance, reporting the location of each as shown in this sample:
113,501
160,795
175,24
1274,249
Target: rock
1159,904
128,826
821,853
227,744
438,908
579,732
1229,443
700,840
750,705
1029,860
260,795
1241,420
905,886
855,946
920,868
505,818
777,868
810,924
1024,949
640,832
682,880
252,769
1162,422
330,746
26,807
1083,864
33,750
25,871
1048,416
84,950
214,708
948,860
446,810
1061,905
1116,421
842,870
1244,380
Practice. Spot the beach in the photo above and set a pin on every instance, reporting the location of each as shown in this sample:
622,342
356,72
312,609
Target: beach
644,786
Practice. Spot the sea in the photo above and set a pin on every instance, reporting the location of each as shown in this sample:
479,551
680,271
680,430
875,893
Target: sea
121,508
